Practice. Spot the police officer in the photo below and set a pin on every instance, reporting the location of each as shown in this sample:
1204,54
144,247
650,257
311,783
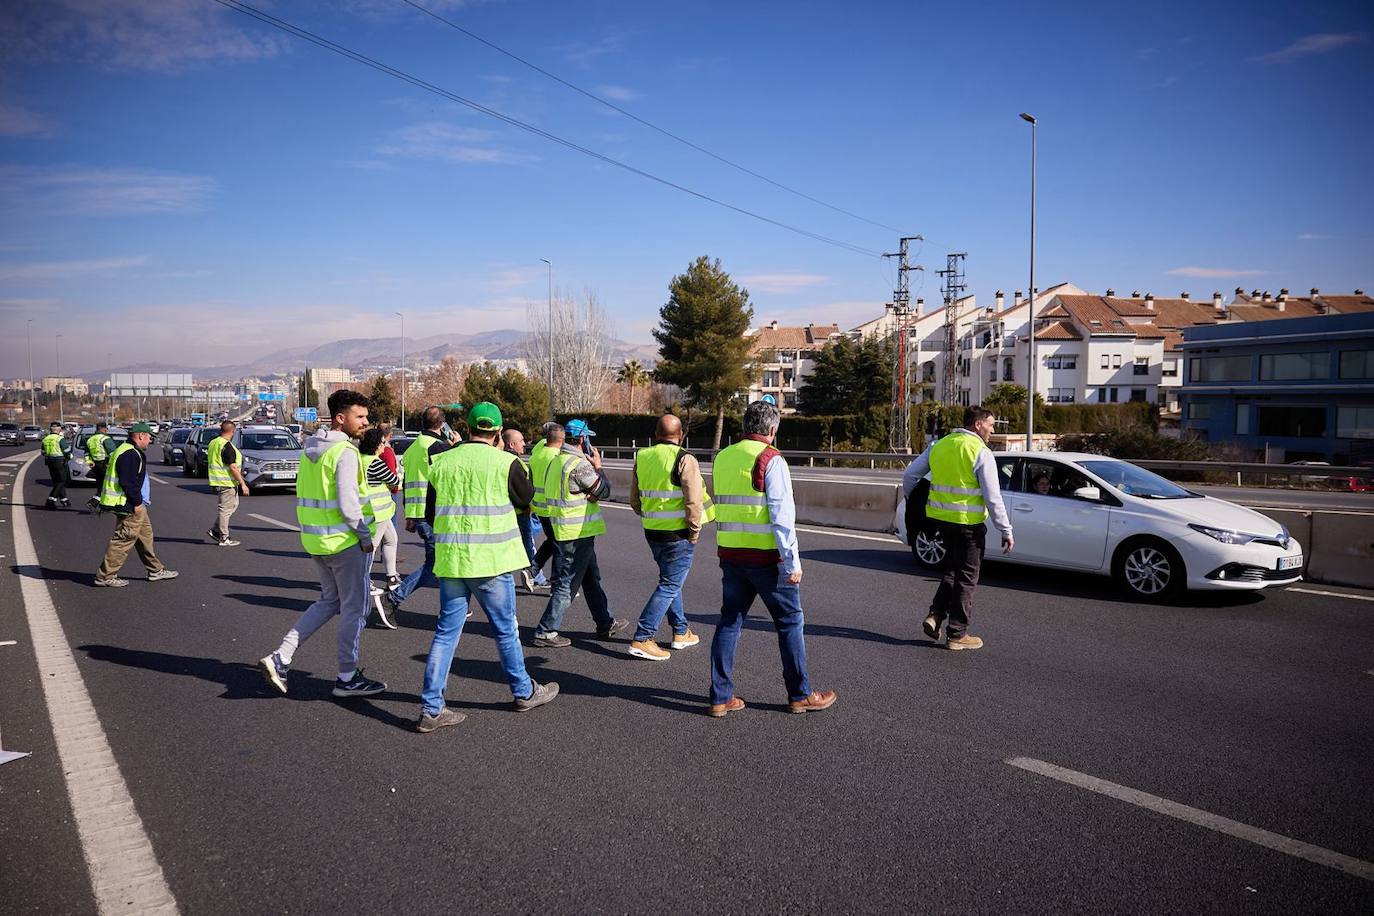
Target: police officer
430,444
478,491
222,464
963,489
124,491
98,450
57,448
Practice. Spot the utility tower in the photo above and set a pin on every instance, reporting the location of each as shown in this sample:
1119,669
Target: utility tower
954,285
899,436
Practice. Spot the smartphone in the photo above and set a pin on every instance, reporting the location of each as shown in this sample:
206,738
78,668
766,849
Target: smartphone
447,431
586,446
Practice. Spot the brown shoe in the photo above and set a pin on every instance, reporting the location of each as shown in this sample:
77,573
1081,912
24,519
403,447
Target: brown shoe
819,699
719,709
965,642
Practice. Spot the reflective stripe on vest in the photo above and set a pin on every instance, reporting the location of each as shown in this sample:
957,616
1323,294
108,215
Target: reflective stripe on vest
218,472
476,534
377,499
111,493
540,456
571,515
52,446
662,505
955,495
416,490
95,446
324,532
741,511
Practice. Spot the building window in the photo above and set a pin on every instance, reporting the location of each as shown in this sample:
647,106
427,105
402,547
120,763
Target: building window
770,378
1199,410
1355,422
1219,369
1170,368
1008,369
1112,392
1062,361
1106,361
1243,419
787,378
992,374
1290,420
1288,367
1357,364
789,400
1138,394
1061,396
1142,365
1116,360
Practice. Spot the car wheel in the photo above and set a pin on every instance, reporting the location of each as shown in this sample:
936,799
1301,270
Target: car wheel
928,549
1149,570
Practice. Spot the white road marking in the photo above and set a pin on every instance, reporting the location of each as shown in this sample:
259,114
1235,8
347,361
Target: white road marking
8,642
1287,845
125,873
160,480
1317,591
273,521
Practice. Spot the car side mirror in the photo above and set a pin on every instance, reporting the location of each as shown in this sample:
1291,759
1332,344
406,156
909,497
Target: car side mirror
1091,494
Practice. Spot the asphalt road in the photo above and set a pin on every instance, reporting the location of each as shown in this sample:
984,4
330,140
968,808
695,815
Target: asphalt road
622,796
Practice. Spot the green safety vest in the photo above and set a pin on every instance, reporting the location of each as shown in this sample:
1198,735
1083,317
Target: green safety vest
476,534
955,495
540,456
741,511
95,446
323,529
416,460
571,515
376,498
111,493
220,478
52,445
662,506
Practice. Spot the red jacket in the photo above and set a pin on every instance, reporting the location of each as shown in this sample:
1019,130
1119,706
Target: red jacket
389,456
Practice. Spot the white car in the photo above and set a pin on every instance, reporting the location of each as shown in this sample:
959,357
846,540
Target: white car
1102,515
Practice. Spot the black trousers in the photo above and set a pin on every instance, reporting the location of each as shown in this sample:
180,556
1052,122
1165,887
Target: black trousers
60,474
953,602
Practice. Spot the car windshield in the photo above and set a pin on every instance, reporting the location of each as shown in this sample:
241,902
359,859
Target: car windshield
180,435
1135,481
269,440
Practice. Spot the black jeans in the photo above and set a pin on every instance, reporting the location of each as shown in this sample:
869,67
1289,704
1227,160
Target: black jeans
58,471
953,602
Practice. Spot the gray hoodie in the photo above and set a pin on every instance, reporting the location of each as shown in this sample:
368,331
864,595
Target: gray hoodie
345,478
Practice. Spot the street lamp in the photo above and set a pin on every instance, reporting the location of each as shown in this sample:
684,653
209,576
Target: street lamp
33,395
403,370
550,263
1030,376
57,345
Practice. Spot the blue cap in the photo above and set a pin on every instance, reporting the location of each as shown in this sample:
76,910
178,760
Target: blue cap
769,399
578,428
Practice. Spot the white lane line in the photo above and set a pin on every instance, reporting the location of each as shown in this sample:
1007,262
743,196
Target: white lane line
160,480
1287,845
125,873
8,642
1317,591
885,539
273,521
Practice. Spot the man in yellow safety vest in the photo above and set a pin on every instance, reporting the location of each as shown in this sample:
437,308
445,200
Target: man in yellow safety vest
125,492
57,448
222,469
418,502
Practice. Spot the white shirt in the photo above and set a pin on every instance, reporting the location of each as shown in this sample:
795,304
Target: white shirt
984,468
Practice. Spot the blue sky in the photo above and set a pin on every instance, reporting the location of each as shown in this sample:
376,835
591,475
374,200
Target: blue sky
181,183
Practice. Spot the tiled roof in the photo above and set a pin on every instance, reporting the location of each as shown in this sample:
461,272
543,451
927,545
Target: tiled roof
1094,315
1149,332
1172,340
1258,311
1168,313
792,338
1347,305
1058,330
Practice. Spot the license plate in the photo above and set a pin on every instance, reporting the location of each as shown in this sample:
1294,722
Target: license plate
1290,562
287,475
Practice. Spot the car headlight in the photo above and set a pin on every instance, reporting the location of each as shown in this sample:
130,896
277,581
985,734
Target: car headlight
1225,535
251,464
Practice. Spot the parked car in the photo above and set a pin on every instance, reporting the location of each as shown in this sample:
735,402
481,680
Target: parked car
271,456
193,458
174,445
80,464
1101,515
32,434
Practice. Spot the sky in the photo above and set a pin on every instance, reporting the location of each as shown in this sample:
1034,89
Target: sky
181,183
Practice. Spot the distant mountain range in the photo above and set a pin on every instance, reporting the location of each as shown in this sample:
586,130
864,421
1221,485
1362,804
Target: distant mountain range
370,353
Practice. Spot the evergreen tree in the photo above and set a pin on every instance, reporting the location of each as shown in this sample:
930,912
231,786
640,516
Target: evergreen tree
849,377
523,400
306,395
385,404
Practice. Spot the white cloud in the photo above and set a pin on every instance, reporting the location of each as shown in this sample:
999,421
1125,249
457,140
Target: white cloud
66,189
16,121
585,54
508,277
441,140
61,270
617,93
1322,43
1215,273
782,282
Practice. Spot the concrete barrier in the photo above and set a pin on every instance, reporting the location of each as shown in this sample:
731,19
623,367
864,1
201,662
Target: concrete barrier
1342,549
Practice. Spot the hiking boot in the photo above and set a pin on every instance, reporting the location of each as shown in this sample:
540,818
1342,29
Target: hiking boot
685,640
647,648
542,693
611,629
112,582
720,709
550,641
275,670
163,573
818,700
964,642
446,716
357,686
931,627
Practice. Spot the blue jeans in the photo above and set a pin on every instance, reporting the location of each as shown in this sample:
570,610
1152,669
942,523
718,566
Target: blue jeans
574,567
422,575
739,585
497,597
674,559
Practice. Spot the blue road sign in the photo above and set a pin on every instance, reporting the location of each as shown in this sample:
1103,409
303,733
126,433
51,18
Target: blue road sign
307,414
269,396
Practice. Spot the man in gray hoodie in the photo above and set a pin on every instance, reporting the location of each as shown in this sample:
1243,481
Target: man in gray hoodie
335,532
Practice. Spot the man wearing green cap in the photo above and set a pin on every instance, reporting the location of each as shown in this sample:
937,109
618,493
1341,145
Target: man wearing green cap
124,491
477,490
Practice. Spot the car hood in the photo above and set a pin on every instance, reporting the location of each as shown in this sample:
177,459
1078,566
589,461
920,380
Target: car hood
1217,513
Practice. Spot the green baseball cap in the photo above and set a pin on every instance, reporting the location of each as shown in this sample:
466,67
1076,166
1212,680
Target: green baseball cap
485,416
140,428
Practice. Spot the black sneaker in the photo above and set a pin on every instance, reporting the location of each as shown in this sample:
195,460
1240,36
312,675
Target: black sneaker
66,504
357,686
428,723
931,627
612,629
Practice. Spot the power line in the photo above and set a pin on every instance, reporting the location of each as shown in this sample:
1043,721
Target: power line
366,61
664,131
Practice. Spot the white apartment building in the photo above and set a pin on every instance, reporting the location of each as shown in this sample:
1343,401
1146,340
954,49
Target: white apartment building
69,384
783,358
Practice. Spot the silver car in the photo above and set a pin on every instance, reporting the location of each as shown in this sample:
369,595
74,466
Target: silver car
80,465
269,456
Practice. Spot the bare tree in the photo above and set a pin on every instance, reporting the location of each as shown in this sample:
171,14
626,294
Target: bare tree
579,336
441,384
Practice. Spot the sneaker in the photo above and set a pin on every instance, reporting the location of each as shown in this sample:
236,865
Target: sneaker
391,600
685,640
377,592
93,504
647,648
66,503
964,642
275,670
52,503
931,627
357,686
212,536
818,700
228,542
718,710
541,694
385,619
393,582
163,573
612,628
524,580
428,723
550,641
112,582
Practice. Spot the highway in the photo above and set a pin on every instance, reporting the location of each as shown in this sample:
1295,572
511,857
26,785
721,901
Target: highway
1213,755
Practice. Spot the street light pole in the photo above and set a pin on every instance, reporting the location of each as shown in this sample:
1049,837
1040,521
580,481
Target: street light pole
1030,391
57,345
403,370
33,395
550,263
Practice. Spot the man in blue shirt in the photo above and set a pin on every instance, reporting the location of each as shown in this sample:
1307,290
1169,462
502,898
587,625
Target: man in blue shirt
125,491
